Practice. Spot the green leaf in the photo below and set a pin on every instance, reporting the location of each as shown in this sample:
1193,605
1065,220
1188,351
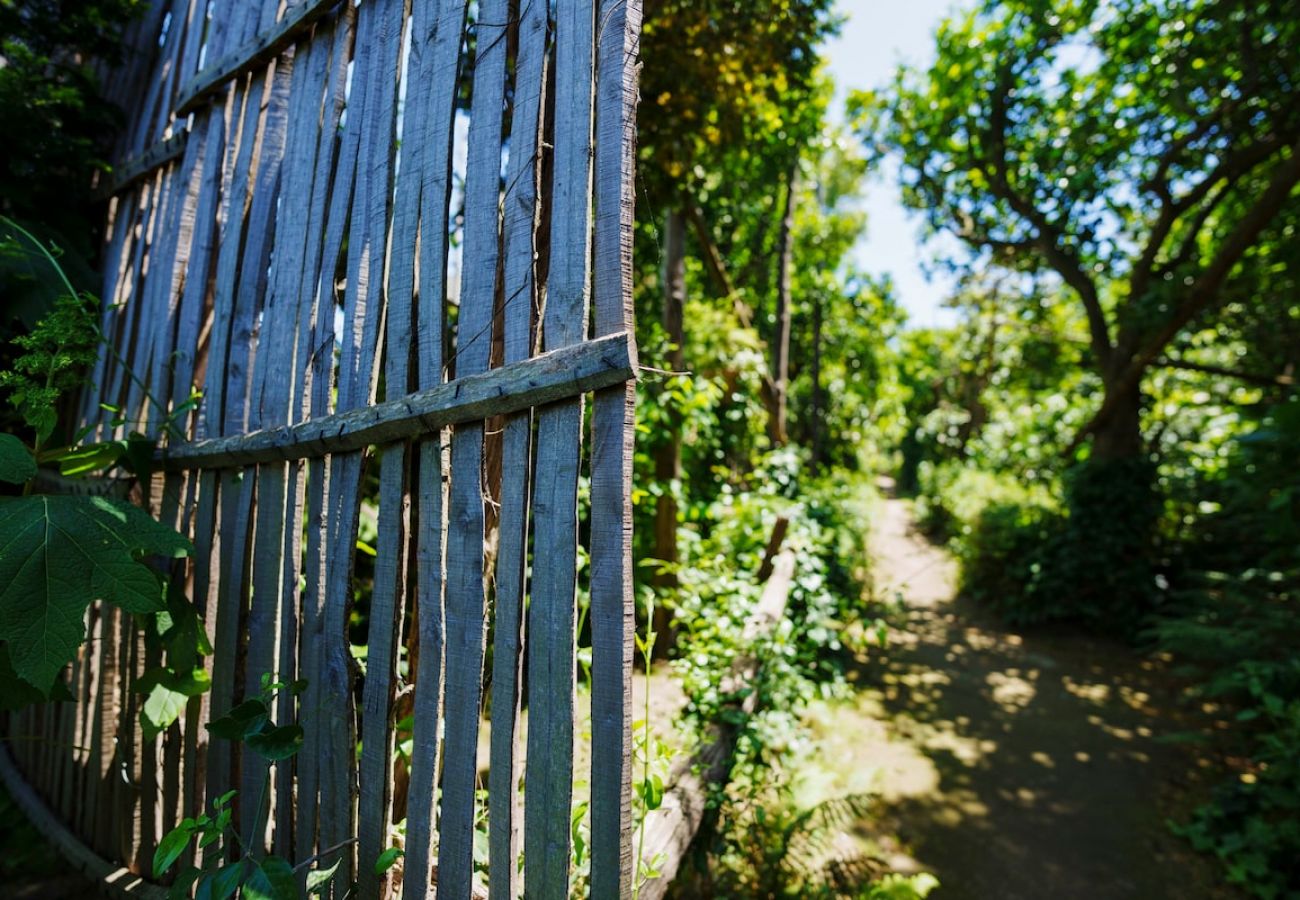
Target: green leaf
180,889
222,883
245,719
89,458
318,879
276,743
57,554
163,707
271,880
16,462
171,847
137,456
387,859
16,694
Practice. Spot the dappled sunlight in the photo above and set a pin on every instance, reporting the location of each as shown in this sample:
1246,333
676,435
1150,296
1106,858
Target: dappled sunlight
1005,762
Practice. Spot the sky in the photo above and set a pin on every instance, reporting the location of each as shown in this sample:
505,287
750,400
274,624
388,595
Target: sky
878,35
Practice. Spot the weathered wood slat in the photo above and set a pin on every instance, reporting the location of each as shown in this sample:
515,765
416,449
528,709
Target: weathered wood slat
316,354
613,610
566,372
132,170
551,622
466,599
519,230
374,777
435,59
373,103
259,51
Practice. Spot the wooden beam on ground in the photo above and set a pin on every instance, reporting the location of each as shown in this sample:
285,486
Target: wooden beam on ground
779,528
671,828
111,879
557,375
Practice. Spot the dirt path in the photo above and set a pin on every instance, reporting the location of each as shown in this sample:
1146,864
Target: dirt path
1011,766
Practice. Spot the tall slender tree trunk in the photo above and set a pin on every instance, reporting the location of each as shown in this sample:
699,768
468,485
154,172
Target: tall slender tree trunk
781,346
668,457
818,413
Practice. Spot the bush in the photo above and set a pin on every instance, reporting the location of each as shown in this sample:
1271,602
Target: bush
1233,626
1086,558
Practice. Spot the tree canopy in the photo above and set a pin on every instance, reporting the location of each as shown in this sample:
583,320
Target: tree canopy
1140,152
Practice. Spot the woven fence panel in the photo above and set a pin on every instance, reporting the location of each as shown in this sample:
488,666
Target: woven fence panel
388,244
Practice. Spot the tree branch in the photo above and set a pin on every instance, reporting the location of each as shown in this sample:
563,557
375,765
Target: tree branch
1049,237
1283,380
1205,292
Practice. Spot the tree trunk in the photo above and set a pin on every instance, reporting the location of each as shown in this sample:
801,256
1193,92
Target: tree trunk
781,346
817,416
1119,436
668,457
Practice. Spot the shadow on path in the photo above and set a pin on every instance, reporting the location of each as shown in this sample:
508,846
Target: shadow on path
1009,765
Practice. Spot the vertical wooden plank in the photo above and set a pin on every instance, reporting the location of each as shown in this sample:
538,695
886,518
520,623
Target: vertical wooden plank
375,774
466,601
377,734
549,772
273,356
317,354
221,414
435,55
379,33
520,291
613,869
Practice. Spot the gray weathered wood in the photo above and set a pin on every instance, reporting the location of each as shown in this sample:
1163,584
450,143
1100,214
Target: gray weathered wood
566,372
613,610
291,239
551,643
466,600
259,51
116,880
671,828
131,171
519,228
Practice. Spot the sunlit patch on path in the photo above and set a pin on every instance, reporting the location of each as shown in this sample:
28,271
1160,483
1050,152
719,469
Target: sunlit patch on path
1010,765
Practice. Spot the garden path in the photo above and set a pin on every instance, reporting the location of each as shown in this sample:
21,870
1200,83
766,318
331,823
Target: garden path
1011,765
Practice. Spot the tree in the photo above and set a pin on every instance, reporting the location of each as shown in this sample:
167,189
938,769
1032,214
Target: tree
1141,152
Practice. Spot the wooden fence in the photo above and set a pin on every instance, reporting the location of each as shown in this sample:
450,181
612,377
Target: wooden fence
390,243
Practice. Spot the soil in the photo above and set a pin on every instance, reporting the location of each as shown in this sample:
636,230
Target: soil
1009,764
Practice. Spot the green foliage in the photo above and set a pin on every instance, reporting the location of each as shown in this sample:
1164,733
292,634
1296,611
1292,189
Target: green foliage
57,132
253,874
1233,627
17,466
59,554
54,357
1084,558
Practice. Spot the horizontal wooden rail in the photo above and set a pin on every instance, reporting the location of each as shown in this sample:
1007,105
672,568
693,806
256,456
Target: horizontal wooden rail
110,879
567,372
257,52
131,171
671,828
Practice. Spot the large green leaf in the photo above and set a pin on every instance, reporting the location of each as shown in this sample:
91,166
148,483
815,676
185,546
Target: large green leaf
273,879
15,694
16,462
57,554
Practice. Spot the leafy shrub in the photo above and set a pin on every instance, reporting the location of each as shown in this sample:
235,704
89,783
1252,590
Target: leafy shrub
1086,558
1233,626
